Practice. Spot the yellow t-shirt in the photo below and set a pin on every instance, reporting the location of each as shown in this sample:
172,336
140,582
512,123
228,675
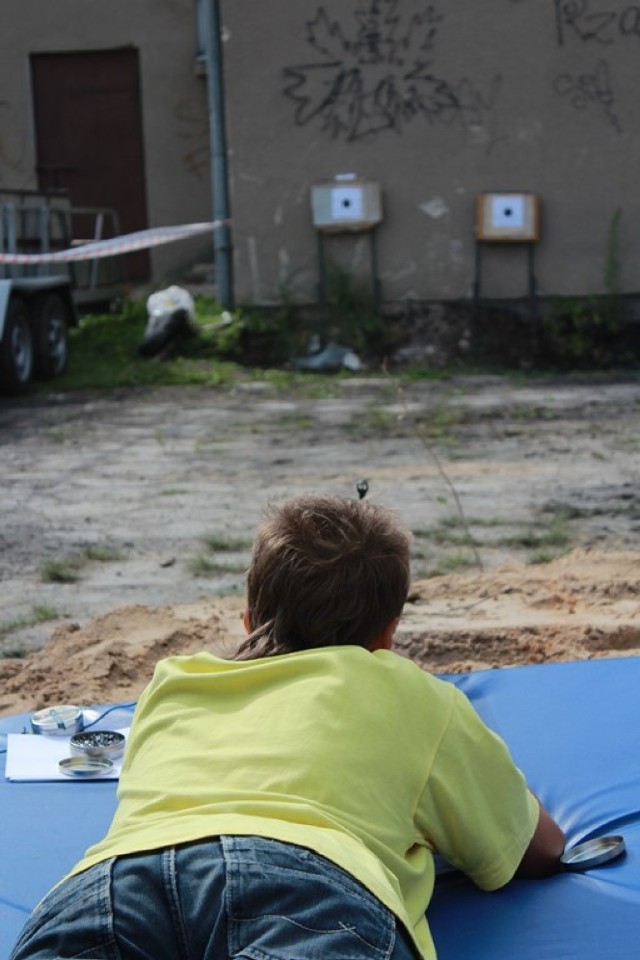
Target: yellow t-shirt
359,756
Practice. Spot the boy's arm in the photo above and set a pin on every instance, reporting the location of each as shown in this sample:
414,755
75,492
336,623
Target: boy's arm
542,856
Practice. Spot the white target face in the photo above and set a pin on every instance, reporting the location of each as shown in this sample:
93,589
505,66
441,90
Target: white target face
508,211
346,203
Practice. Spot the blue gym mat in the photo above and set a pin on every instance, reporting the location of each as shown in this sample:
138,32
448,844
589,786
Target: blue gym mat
574,728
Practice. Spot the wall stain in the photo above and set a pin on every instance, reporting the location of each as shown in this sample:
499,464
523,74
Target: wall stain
12,156
195,123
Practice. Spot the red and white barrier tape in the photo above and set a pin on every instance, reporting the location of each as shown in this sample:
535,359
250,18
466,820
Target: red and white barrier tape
116,245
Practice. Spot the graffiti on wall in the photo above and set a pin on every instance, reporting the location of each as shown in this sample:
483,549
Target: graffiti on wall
586,23
590,90
578,19
373,71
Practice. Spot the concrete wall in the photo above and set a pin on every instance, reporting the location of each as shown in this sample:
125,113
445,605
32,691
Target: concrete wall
174,103
438,102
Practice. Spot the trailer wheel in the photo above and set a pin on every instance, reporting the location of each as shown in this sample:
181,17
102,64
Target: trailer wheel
51,335
16,349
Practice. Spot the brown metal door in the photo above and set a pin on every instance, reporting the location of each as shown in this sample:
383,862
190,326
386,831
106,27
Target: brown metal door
88,123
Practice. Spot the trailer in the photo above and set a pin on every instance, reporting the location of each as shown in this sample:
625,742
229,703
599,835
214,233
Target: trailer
39,302
35,316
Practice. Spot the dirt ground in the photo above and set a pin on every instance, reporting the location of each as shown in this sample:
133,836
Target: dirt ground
127,519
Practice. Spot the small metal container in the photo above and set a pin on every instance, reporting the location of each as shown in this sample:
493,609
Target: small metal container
592,853
61,720
98,744
84,767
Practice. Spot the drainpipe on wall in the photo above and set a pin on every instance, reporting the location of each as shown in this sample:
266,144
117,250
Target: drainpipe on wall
222,245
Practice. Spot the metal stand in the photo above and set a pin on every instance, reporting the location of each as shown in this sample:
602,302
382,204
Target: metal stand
532,283
376,292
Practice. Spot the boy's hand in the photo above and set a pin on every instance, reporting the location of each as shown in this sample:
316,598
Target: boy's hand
542,856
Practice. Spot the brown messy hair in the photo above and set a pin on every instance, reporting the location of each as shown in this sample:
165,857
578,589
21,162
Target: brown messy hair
324,571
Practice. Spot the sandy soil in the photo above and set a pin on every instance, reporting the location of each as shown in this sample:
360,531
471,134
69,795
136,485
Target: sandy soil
150,497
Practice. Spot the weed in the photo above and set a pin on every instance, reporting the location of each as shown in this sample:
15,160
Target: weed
430,450
216,542
39,614
555,536
442,536
228,590
545,556
563,511
377,421
582,331
102,554
62,571
438,421
173,492
202,566
292,422
451,563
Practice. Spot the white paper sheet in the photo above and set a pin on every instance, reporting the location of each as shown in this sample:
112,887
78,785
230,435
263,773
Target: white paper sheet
33,757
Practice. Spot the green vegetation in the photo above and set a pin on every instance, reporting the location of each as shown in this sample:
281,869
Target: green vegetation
582,331
68,569
104,354
102,554
217,543
203,566
450,563
62,571
39,614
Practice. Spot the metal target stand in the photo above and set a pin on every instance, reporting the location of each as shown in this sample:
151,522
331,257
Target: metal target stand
512,218
342,206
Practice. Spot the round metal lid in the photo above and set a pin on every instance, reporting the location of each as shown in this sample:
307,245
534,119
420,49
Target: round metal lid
592,853
60,720
84,767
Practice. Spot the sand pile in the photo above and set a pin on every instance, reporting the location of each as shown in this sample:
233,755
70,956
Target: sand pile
583,605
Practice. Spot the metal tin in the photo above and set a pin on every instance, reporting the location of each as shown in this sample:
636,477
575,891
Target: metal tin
61,720
97,744
84,767
592,853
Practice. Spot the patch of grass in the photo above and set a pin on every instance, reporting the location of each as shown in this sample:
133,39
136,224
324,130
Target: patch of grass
218,543
102,554
438,422
292,422
378,421
448,530
66,570
203,566
173,492
39,614
563,512
555,536
104,355
230,590
546,556
452,563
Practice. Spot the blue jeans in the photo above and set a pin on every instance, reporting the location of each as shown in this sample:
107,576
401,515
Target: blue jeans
231,897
